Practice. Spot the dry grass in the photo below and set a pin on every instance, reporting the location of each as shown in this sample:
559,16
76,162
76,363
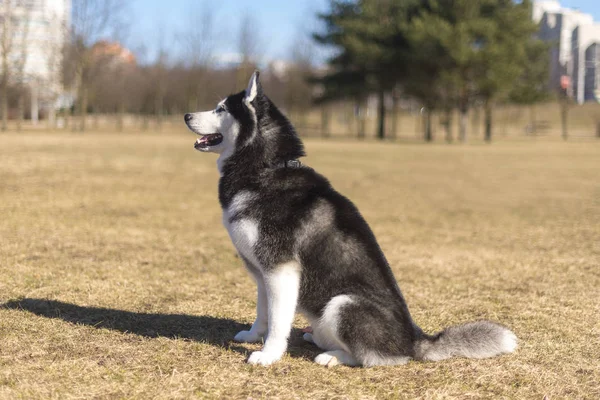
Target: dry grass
118,281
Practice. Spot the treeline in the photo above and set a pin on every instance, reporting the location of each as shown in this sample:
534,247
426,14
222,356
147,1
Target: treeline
442,57
449,55
159,90
182,76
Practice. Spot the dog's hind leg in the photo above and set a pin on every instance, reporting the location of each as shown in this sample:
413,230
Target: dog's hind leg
357,331
336,357
282,286
260,325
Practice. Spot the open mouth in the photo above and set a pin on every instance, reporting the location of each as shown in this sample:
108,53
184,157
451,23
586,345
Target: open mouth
206,141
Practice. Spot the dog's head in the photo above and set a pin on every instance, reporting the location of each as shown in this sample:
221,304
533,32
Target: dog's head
247,118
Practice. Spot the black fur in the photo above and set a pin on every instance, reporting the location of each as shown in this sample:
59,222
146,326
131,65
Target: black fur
300,217
285,197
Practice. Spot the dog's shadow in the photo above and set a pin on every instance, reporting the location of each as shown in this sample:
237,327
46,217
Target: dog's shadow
205,329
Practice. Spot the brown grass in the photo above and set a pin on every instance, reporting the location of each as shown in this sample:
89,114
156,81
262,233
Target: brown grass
118,280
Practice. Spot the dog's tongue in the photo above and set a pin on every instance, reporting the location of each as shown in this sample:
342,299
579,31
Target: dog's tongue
208,140
203,140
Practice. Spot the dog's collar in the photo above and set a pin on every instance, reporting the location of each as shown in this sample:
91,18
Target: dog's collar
288,164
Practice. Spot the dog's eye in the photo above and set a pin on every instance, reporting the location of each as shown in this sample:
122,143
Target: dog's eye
220,109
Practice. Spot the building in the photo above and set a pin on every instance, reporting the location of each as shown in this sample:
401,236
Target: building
112,54
37,28
592,73
572,34
586,40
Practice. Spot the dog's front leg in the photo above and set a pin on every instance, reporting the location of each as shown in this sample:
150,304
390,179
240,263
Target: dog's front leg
259,327
282,286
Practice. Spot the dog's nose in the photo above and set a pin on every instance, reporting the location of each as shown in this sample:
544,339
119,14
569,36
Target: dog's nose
188,117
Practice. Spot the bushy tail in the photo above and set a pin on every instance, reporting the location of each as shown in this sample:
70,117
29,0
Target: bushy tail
480,339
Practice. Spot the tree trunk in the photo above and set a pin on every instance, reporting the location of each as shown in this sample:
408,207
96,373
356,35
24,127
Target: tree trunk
325,128
488,121
532,123
427,125
448,126
83,103
394,131
462,123
20,110
67,115
4,102
361,119
476,121
564,115
35,112
381,116
120,116
51,116
159,112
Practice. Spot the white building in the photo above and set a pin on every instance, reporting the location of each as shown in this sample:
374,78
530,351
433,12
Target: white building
572,34
586,63
43,24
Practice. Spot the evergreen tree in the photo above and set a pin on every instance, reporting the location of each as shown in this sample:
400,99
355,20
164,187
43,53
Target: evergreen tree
504,54
532,85
445,53
372,49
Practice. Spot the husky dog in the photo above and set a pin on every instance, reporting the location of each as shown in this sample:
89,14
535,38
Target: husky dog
310,250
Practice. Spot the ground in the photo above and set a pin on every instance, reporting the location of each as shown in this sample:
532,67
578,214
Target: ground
117,279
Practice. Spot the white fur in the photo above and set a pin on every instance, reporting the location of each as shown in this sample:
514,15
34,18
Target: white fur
335,357
282,287
251,93
229,146
372,359
260,325
252,89
325,332
243,232
244,235
209,122
509,342
241,201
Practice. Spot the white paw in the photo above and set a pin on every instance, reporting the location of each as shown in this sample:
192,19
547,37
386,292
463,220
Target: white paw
326,359
263,358
247,337
308,337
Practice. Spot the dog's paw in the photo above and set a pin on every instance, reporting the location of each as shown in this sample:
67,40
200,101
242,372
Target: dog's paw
326,360
263,358
308,337
247,337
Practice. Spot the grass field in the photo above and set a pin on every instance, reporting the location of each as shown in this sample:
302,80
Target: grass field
117,279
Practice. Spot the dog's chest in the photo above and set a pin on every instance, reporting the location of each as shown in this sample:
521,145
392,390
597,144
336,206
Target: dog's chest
242,229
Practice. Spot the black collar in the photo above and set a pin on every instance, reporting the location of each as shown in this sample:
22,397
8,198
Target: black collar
288,164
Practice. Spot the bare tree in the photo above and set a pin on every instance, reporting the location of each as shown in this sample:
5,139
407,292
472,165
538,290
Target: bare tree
199,40
6,47
298,96
159,77
248,45
14,46
90,20
54,61
20,62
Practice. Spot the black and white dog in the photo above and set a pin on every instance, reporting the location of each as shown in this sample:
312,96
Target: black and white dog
310,250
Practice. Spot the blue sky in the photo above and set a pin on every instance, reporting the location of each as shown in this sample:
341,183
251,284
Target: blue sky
586,6
278,22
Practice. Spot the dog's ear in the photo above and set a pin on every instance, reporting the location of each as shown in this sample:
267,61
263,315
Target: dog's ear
253,88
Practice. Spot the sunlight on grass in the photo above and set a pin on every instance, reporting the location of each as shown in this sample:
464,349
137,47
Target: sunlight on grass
118,280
